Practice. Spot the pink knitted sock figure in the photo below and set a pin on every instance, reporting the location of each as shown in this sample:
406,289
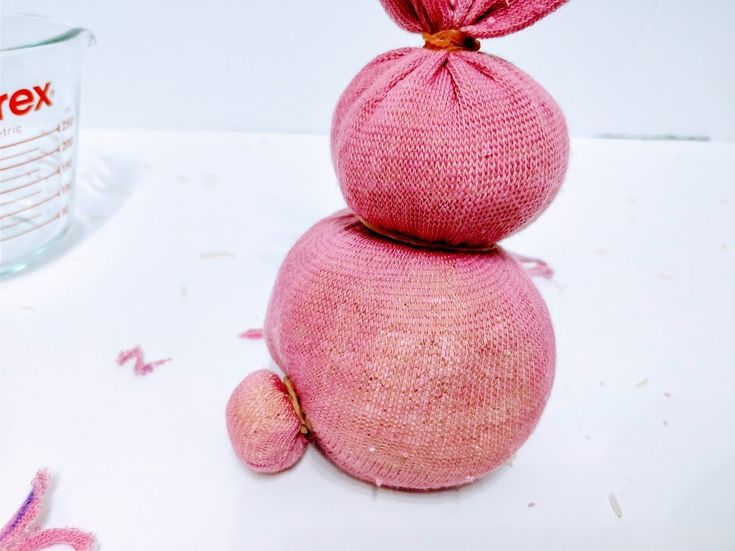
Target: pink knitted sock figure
20,534
445,143
418,354
407,367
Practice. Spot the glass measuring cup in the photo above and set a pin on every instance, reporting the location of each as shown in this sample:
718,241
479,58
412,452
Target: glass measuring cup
40,70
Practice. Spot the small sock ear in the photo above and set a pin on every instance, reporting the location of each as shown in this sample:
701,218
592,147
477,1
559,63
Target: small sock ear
264,428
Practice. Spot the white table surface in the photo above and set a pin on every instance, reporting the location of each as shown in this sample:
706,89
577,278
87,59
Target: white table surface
642,238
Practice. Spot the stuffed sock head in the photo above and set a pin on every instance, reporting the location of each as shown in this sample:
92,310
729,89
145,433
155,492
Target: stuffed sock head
445,143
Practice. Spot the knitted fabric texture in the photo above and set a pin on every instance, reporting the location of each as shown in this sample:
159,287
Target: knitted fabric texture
262,424
21,534
459,147
417,369
479,18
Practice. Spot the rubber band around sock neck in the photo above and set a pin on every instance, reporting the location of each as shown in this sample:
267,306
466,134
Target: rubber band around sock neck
422,244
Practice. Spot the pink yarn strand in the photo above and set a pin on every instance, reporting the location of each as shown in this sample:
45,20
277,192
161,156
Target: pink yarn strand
535,266
76,539
19,534
252,334
28,511
141,367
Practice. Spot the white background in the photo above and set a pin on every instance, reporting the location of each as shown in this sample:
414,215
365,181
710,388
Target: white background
632,67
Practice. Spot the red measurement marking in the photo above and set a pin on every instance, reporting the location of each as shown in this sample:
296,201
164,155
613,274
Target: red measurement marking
34,228
24,221
57,129
252,334
33,160
26,152
141,368
33,183
19,175
50,198
20,198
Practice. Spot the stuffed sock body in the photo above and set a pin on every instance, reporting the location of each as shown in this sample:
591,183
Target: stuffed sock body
416,369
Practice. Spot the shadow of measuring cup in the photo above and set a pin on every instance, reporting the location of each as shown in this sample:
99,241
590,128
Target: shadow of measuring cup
102,186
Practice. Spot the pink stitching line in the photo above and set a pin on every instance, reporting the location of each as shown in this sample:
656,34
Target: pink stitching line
141,368
20,534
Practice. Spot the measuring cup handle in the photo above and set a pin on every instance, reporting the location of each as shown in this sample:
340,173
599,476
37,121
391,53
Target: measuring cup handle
91,38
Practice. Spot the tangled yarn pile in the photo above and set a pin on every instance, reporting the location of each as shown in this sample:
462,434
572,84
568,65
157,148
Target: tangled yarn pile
418,353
